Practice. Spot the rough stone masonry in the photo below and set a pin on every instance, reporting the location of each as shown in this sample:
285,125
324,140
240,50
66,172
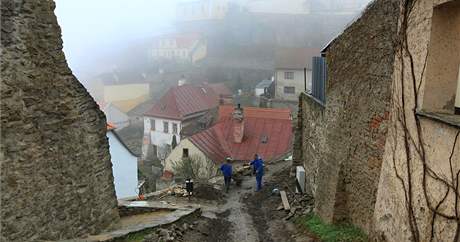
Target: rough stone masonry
56,176
342,141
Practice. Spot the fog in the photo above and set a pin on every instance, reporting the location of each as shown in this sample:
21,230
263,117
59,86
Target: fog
94,30
117,36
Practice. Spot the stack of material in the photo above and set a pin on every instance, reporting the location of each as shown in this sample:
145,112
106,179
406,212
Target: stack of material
296,204
177,190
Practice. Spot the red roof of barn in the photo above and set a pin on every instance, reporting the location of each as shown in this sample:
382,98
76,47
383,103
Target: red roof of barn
181,101
217,141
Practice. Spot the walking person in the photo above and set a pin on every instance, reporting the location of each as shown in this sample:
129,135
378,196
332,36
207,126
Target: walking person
226,169
258,167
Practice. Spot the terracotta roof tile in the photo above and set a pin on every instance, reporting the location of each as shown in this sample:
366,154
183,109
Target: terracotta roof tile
181,101
217,141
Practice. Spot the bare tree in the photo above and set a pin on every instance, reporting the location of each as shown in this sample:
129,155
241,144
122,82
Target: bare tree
194,167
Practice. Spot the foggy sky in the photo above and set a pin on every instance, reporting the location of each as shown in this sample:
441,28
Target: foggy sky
93,29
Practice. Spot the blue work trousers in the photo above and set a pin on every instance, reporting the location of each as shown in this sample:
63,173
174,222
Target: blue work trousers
259,182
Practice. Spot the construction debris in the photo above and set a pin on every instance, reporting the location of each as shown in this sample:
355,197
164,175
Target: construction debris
285,200
173,233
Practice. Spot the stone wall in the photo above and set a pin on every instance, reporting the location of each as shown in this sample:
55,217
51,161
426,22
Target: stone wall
343,141
56,176
410,186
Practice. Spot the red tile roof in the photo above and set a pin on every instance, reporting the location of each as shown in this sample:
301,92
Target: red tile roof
110,126
181,101
217,141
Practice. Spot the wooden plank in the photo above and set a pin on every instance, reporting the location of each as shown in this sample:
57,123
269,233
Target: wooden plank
285,200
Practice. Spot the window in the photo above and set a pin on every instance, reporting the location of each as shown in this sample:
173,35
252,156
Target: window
289,75
184,153
174,129
152,124
289,90
166,127
441,81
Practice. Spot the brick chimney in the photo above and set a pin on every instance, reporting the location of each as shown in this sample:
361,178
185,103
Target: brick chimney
238,124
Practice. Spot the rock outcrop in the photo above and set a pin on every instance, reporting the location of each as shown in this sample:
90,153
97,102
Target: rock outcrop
56,176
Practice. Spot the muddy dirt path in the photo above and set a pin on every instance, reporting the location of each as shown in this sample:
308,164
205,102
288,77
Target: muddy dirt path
246,215
241,213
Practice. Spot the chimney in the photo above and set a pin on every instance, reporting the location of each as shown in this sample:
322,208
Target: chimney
238,124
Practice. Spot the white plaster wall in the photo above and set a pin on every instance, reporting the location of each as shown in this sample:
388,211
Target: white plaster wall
298,82
259,91
124,166
159,137
176,154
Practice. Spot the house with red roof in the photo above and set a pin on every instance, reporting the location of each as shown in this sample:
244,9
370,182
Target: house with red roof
179,108
238,133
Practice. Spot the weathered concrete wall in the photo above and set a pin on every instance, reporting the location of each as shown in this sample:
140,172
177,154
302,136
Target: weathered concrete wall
401,198
343,142
56,176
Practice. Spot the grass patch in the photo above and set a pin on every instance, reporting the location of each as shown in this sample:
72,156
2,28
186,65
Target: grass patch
134,237
330,232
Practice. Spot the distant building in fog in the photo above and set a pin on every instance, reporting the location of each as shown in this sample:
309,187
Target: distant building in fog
277,6
263,87
289,73
202,10
187,47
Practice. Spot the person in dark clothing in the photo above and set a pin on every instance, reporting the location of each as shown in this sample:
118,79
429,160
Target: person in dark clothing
258,168
226,169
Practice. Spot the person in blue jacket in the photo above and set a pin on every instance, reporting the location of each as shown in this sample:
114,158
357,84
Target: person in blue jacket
226,169
258,167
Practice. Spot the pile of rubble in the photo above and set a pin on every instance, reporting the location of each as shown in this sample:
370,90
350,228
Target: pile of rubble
294,203
299,205
173,233
203,190
177,190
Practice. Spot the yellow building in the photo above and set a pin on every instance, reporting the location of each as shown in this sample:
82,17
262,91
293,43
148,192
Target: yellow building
126,96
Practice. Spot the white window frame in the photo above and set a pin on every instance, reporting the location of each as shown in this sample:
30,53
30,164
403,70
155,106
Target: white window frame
289,75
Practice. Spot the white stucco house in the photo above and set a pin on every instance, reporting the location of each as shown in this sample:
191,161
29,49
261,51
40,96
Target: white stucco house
179,108
293,66
124,165
186,47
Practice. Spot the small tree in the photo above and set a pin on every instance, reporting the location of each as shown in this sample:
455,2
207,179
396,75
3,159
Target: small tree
194,167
